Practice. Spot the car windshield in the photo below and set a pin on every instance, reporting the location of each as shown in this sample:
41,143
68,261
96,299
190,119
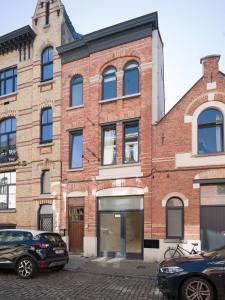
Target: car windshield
217,253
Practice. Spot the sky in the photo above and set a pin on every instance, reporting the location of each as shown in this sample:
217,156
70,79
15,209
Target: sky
190,30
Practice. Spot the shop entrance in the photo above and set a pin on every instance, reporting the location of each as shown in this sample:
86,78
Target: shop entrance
120,232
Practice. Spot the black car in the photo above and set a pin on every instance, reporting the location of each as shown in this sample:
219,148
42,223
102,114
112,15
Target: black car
198,277
28,251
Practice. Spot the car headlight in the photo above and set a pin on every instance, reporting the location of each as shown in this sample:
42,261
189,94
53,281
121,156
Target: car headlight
171,270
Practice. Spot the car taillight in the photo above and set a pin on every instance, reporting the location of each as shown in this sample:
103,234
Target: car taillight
42,246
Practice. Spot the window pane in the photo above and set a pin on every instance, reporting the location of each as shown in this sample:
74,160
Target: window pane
9,86
12,139
174,202
13,177
210,139
12,201
210,116
45,116
131,143
77,93
174,223
120,203
77,151
13,124
3,142
109,151
47,133
47,72
46,182
109,84
8,125
131,81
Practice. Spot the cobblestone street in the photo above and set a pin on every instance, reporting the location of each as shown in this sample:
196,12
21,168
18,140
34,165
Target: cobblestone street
82,280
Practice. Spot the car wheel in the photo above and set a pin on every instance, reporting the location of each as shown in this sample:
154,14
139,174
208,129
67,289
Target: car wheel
25,268
197,288
58,268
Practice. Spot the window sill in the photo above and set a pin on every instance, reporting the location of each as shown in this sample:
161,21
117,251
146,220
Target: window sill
75,107
120,98
7,211
175,241
14,163
8,95
209,154
119,166
46,26
75,170
43,83
45,145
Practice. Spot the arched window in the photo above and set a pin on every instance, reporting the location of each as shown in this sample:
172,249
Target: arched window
46,218
76,91
210,131
109,85
8,140
174,219
46,125
46,182
131,78
47,64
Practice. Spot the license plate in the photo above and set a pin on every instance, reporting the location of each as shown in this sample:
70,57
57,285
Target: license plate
59,251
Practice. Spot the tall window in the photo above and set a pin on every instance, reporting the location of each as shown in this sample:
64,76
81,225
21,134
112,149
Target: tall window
131,79
8,140
76,150
77,91
175,219
47,13
8,81
46,125
109,145
47,64
109,84
131,142
210,131
46,182
7,190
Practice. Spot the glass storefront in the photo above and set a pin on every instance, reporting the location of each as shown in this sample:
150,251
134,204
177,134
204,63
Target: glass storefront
120,227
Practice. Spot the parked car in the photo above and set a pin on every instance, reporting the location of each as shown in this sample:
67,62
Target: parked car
198,277
28,251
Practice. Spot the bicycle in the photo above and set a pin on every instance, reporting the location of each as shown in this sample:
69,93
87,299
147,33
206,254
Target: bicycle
179,251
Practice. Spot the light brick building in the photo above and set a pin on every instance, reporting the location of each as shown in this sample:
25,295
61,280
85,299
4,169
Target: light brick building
30,115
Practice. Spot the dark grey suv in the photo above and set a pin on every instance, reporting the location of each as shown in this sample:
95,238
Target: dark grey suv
28,251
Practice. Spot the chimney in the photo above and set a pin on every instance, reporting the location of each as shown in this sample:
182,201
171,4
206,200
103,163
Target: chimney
210,66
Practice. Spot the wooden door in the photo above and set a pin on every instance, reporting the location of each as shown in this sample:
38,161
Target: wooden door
76,228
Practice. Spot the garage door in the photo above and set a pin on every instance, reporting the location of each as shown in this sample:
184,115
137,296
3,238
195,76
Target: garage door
212,227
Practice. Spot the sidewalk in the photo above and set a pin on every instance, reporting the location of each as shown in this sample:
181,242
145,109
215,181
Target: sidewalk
112,266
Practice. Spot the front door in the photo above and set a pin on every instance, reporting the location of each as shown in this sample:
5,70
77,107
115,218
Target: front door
121,234
76,228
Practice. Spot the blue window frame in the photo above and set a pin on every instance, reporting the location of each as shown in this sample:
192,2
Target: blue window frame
47,64
109,85
76,149
8,140
46,125
8,81
210,131
131,79
76,91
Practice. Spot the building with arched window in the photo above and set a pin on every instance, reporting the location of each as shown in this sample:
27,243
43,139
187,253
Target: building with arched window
30,91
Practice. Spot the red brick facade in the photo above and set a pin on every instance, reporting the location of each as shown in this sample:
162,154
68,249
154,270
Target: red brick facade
169,164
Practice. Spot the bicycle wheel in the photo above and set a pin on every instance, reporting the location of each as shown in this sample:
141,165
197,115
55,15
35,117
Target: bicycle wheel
170,253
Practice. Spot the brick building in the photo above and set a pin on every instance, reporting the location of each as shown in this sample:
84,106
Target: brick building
188,185
112,90
30,115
